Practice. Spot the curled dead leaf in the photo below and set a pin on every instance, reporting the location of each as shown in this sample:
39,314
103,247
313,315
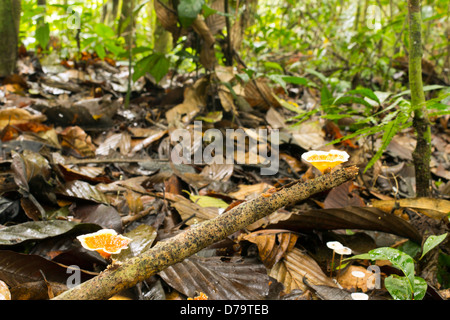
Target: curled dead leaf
272,244
431,207
294,267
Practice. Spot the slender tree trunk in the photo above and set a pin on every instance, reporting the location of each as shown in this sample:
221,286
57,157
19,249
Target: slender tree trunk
447,61
109,12
422,152
9,35
41,3
126,22
161,38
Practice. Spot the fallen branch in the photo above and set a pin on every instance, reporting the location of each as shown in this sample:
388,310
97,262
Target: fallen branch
176,249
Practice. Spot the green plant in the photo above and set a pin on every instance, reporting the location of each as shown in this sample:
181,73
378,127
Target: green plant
374,112
408,287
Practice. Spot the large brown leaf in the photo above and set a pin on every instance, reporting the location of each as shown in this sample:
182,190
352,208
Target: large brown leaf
272,244
433,208
32,174
296,266
105,216
17,268
39,230
236,279
365,218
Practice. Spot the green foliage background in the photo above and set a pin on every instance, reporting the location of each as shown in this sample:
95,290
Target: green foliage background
352,51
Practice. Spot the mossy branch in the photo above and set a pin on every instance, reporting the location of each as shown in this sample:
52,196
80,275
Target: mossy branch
176,249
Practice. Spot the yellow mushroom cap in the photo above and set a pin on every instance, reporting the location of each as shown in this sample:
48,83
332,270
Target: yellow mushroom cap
104,241
324,160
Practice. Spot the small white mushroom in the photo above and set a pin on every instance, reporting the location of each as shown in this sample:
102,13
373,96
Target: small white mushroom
344,251
358,274
359,296
333,245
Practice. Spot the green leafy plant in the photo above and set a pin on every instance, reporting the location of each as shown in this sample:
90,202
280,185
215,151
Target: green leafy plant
157,64
409,286
104,40
43,34
374,112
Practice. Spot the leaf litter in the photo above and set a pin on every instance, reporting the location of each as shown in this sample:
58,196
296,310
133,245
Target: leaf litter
76,160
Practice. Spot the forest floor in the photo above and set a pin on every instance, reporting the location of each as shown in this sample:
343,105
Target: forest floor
76,159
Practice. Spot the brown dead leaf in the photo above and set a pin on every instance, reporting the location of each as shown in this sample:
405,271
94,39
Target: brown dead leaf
296,265
259,94
190,210
78,189
343,196
224,74
16,116
440,171
226,99
275,119
216,22
37,290
77,142
173,185
272,244
194,101
352,283
218,172
232,279
155,136
168,18
309,135
402,146
120,141
293,162
433,208
134,202
247,192
89,174
365,218
207,53
273,218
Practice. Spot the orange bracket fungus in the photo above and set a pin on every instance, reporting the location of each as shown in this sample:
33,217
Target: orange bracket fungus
201,296
105,242
324,161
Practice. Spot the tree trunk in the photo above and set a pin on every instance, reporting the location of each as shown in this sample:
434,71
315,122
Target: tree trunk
109,12
9,35
421,123
126,22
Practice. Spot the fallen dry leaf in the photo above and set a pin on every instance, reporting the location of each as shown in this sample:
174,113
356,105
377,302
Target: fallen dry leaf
16,116
272,244
348,281
296,265
431,207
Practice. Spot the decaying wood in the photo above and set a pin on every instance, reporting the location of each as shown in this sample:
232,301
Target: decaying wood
168,252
